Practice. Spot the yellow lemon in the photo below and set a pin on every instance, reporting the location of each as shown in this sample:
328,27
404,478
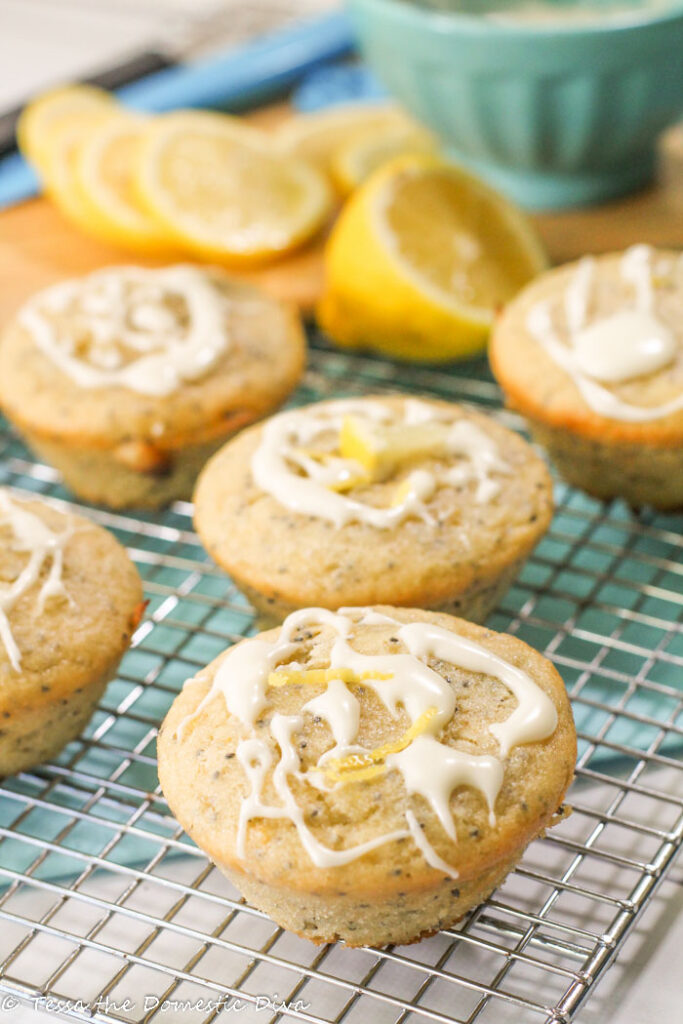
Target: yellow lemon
355,160
51,113
420,259
105,168
317,137
219,187
59,163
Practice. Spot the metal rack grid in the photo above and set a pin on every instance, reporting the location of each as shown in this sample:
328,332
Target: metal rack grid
108,909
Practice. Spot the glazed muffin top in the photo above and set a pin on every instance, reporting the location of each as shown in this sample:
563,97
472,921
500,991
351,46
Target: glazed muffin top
359,500
367,750
597,347
69,600
163,354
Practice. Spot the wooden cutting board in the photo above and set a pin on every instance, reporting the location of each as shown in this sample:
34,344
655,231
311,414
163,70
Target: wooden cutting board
38,246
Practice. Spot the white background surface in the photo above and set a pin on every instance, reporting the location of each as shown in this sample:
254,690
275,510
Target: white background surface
43,41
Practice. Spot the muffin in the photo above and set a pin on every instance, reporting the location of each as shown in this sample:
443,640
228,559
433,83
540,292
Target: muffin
70,599
369,775
410,501
128,379
592,355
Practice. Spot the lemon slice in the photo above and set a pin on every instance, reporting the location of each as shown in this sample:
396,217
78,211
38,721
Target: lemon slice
316,137
220,188
50,114
355,160
380,450
105,167
59,163
420,259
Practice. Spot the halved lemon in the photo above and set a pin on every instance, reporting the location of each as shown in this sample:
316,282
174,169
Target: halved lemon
317,137
356,159
105,168
219,187
53,112
420,259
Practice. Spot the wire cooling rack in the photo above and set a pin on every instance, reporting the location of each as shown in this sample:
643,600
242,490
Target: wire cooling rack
110,913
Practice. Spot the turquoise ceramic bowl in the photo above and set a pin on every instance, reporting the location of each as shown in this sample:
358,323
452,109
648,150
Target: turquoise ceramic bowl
553,115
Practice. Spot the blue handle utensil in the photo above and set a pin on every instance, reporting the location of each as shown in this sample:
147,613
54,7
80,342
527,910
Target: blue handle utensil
259,70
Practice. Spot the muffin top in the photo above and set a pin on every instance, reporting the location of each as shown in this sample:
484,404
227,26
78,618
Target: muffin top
163,354
69,600
597,346
368,749
337,501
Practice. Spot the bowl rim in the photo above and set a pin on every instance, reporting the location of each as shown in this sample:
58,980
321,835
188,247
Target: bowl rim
461,22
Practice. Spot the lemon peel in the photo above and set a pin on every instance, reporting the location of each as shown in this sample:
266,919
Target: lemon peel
381,449
357,478
105,168
368,765
318,676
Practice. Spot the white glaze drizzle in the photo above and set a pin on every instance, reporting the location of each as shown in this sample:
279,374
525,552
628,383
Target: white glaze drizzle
623,346
636,268
403,682
628,344
434,770
577,295
124,308
255,757
252,661
426,848
32,536
533,719
470,454
340,709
